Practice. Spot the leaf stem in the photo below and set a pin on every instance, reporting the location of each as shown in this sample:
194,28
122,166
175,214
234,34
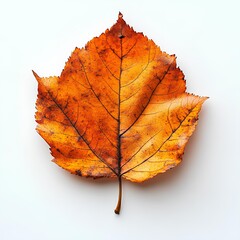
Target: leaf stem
118,207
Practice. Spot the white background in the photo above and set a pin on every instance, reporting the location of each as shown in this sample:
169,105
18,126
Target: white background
198,200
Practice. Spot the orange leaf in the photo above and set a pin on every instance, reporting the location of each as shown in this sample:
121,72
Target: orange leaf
119,109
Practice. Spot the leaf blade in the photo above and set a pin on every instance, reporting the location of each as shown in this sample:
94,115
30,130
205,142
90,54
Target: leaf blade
119,109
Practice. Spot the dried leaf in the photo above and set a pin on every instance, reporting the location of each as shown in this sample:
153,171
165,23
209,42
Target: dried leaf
119,109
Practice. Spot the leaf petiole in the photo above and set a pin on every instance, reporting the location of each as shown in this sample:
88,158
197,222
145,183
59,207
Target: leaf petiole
118,207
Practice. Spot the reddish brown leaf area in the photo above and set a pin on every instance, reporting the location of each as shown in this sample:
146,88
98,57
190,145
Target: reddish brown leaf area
119,109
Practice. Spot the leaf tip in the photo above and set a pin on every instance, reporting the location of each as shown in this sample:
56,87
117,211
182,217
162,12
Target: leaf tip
120,15
205,98
35,75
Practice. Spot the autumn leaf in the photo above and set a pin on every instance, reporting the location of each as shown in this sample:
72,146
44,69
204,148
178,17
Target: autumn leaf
118,110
